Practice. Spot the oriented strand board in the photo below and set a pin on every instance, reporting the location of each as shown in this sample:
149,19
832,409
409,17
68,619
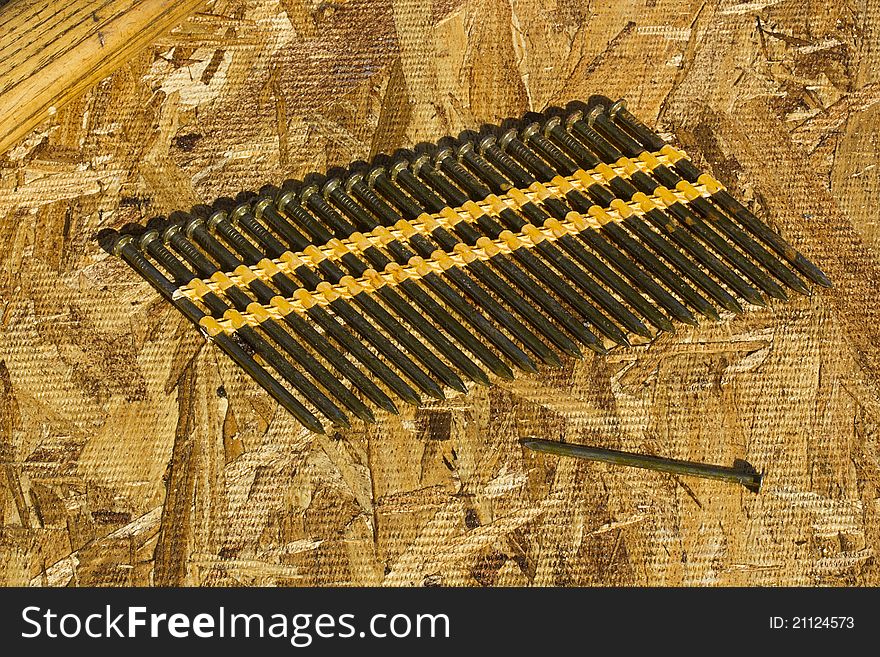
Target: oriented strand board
134,454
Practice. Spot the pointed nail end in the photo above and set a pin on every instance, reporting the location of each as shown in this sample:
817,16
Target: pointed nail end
800,287
819,278
574,353
413,400
813,272
505,373
485,377
757,300
390,407
687,317
734,307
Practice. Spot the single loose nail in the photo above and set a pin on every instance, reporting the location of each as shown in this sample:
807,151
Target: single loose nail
739,474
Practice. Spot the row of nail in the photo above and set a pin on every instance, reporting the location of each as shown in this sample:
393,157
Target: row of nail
417,267
478,258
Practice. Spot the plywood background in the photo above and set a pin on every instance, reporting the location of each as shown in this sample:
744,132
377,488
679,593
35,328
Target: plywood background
134,454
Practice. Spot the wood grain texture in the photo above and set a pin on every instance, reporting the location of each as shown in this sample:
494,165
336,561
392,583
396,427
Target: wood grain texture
51,52
134,454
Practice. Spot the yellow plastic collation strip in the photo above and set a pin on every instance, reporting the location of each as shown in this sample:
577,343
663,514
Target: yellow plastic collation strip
440,261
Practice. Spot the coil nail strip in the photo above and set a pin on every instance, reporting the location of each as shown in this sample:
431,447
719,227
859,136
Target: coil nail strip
418,267
529,242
